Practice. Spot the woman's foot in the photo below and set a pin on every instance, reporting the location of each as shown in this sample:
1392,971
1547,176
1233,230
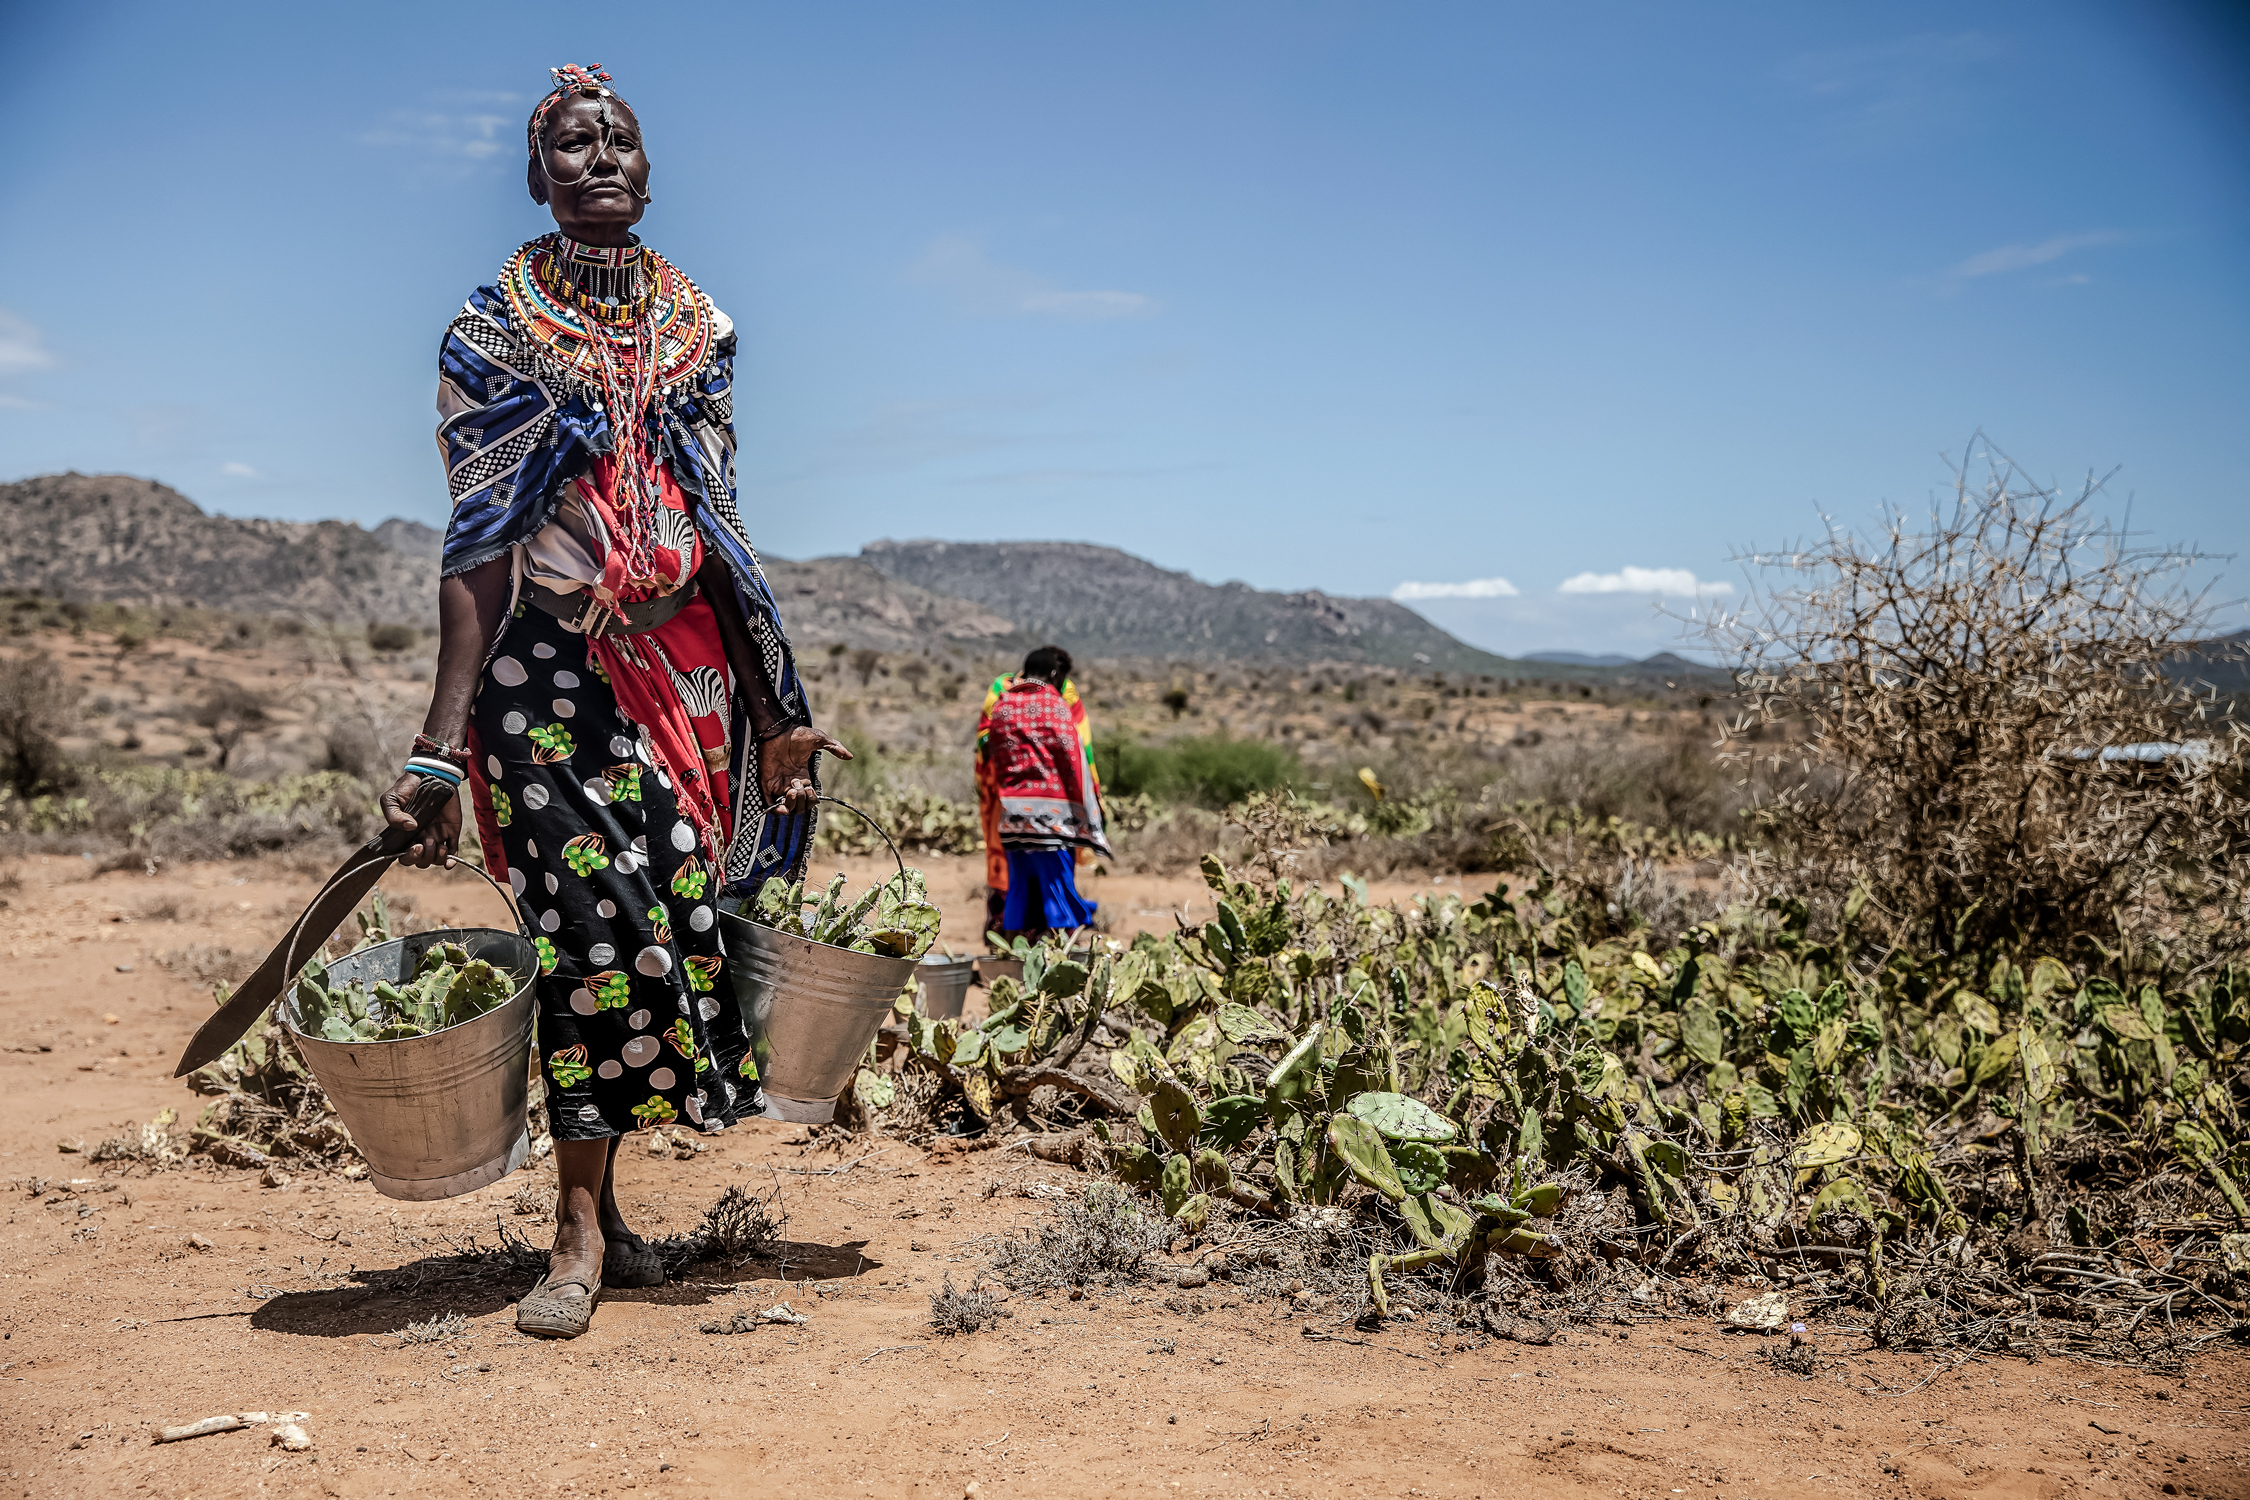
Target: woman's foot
560,1305
627,1260
578,1257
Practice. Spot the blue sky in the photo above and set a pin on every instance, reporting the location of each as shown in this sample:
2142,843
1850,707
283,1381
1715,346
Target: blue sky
1318,295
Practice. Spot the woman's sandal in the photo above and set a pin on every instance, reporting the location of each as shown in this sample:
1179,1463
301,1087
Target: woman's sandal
624,1266
550,1315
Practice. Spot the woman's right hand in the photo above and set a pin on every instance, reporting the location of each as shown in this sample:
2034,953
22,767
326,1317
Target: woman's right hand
439,840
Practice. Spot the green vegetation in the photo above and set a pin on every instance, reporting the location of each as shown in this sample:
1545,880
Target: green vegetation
447,988
1957,1027
1456,1074
894,919
1206,771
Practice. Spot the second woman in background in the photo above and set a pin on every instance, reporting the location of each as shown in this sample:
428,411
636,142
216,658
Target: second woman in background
1038,797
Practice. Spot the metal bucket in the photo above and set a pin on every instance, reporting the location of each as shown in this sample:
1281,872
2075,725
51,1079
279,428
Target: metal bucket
440,1115
944,986
991,966
812,1009
998,966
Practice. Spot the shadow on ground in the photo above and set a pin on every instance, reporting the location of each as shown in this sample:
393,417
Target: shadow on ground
386,1301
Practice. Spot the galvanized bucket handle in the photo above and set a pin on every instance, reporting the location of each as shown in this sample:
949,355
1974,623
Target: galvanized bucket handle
870,822
289,956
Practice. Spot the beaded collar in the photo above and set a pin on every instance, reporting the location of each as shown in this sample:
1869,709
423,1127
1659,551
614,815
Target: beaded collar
604,282
662,312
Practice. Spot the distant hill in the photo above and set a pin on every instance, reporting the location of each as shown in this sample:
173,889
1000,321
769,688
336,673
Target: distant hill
2222,663
1580,658
119,539
843,599
116,538
423,543
1099,601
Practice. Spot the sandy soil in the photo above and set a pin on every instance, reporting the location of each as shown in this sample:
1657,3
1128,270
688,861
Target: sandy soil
134,1301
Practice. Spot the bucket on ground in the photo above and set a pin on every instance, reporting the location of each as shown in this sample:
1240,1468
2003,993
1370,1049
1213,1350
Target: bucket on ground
812,1009
440,1115
991,966
944,986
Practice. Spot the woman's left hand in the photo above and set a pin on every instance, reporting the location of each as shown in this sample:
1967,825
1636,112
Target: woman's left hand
785,768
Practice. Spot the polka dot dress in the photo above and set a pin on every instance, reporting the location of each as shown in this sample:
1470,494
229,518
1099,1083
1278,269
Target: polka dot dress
637,1027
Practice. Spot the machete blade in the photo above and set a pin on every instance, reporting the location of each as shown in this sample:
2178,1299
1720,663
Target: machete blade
338,898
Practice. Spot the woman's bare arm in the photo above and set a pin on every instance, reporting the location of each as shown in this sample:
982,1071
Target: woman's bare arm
471,609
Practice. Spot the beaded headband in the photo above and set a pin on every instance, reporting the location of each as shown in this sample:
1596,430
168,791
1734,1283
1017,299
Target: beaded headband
571,81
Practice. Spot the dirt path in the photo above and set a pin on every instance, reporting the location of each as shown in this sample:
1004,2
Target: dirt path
136,1301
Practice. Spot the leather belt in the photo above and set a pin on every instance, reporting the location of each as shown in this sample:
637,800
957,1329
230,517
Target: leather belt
582,612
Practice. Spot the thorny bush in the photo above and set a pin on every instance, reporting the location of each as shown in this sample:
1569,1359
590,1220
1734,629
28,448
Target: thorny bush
1997,722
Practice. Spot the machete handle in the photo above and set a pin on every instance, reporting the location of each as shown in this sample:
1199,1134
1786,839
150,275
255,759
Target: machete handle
428,800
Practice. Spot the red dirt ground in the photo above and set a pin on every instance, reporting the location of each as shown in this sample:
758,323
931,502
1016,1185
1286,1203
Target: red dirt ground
134,1301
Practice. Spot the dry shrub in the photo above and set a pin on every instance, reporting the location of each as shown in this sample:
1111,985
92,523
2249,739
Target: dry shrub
1103,1236
740,1227
438,1330
953,1312
149,1145
148,815
1991,719
38,705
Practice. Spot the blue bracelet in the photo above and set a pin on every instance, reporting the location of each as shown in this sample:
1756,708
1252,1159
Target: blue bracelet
437,770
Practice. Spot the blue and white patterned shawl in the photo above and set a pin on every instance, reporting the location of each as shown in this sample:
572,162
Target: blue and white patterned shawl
514,427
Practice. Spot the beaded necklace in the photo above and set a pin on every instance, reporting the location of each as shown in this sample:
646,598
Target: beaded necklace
628,364
604,282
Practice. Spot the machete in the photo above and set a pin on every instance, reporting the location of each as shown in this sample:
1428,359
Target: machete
338,898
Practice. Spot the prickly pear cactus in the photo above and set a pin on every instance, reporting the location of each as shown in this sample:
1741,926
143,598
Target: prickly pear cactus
1177,1119
1359,1146
1402,1119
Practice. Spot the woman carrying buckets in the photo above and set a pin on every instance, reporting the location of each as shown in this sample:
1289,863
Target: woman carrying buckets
613,682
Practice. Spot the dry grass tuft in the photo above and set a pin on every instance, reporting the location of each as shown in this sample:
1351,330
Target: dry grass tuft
1103,1236
953,1312
436,1330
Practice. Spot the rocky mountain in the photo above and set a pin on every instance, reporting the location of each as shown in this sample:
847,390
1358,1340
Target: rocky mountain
422,543
1579,658
116,538
1098,601
842,599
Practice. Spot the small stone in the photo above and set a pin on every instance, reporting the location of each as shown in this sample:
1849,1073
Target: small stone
198,1242
1767,1311
110,1019
1174,1419
124,968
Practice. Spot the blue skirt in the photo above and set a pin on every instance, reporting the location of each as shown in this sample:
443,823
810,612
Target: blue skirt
1043,892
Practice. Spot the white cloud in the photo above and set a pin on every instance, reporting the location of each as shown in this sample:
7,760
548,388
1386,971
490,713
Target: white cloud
959,266
21,346
463,127
1675,582
20,403
236,469
2024,257
1475,588
1894,94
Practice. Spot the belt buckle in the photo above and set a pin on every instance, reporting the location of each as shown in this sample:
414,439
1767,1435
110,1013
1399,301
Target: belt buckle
594,618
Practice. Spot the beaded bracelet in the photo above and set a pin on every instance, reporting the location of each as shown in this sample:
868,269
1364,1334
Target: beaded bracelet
424,745
435,769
